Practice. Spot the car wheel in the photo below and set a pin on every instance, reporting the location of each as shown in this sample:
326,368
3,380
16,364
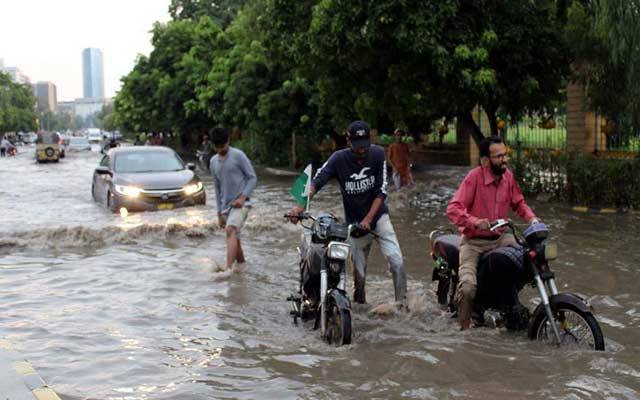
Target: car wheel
93,191
108,202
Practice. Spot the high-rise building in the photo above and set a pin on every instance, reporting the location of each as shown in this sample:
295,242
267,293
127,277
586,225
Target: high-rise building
92,73
47,97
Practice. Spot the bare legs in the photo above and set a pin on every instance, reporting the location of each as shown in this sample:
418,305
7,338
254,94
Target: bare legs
234,248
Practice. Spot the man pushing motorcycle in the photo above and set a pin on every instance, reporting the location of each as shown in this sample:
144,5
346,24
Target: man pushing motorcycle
486,194
361,172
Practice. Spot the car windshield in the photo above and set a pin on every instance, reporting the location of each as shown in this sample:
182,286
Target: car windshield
48,139
79,141
147,161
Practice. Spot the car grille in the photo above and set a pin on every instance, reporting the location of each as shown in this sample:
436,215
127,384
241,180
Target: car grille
163,194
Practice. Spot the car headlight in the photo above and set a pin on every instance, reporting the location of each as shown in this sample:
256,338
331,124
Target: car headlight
129,191
338,251
551,251
192,188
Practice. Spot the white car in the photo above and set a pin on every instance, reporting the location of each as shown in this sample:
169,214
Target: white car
94,136
79,144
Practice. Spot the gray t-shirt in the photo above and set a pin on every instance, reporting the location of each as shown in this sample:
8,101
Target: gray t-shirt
233,175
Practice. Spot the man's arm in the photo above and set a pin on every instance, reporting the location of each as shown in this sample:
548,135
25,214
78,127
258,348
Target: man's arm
216,186
324,174
457,210
250,174
391,154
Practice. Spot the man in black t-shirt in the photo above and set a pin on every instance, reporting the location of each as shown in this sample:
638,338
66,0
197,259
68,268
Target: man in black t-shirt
361,172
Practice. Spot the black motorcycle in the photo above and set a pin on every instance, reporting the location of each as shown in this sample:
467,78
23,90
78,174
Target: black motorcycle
321,295
562,318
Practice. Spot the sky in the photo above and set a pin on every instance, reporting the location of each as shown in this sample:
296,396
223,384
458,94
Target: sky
45,38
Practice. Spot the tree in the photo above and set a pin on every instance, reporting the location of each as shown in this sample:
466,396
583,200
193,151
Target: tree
220,11
606,34
407,63
160,93
17,106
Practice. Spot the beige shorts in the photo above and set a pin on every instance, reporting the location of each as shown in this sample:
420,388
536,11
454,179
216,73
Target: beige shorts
236,217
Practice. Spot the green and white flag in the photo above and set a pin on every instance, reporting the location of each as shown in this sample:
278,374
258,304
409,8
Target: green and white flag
301,187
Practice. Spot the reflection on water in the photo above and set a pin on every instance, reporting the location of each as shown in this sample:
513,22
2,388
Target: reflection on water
125,307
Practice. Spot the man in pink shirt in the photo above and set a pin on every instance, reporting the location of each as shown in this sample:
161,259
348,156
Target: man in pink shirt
486,194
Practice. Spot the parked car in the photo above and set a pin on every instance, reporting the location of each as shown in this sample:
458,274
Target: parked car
79,144
48,147
146,178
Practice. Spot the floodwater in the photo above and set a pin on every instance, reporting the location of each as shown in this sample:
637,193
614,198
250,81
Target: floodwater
112,307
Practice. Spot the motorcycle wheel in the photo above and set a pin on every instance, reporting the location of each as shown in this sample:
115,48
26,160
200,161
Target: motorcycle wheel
338,325
578,329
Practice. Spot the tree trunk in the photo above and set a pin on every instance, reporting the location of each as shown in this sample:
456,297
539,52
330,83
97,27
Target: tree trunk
292,160
470,127
493,123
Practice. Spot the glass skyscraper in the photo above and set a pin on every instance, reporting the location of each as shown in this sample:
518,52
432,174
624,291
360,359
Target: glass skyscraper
92,73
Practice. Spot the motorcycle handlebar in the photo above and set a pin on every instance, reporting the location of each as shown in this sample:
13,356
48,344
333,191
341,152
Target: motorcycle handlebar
301,216
499,223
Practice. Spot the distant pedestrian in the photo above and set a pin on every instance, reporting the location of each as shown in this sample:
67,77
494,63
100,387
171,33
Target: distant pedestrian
399,156
234,180
3,149
156,139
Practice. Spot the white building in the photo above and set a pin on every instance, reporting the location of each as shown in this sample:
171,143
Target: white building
16,75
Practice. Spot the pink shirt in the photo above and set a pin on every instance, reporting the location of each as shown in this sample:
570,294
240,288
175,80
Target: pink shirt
480,195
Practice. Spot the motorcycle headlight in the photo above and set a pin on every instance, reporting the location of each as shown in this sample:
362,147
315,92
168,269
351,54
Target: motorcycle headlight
338,251
192,188
551,251
129,191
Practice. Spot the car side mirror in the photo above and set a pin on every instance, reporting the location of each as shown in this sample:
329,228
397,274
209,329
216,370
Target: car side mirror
102,170
191,166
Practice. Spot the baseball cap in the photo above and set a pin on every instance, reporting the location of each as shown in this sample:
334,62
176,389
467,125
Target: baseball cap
359,134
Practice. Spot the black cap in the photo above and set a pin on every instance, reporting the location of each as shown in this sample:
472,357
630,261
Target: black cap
359,134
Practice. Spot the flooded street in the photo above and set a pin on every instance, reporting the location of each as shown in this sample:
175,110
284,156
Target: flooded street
112,307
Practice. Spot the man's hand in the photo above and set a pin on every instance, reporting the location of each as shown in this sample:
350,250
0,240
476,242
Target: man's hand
534,220
221,220
483,224
366,224
295,211
239,202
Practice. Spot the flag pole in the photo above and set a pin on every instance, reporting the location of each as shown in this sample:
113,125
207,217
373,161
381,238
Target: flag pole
309,189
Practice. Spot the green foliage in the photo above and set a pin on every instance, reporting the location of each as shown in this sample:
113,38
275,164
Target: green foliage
61,122
274,68
581,179
540,171
220,11
385,139
604,182
17,106
160,94
606,38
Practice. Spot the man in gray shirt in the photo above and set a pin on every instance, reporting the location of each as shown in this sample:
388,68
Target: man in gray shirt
234,180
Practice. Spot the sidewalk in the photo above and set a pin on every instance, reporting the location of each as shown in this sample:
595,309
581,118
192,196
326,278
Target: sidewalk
18,379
